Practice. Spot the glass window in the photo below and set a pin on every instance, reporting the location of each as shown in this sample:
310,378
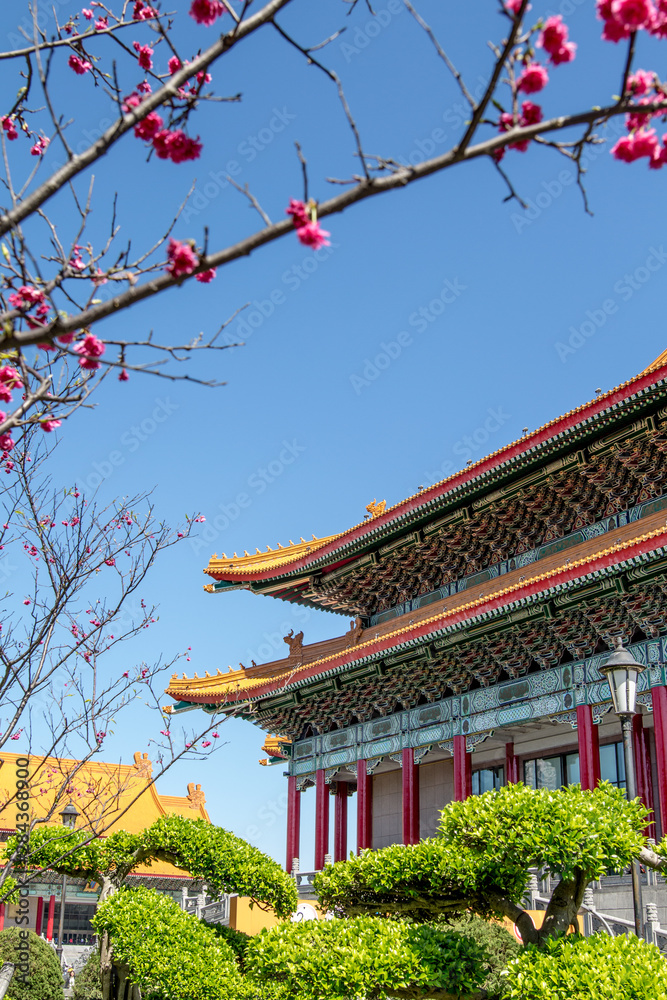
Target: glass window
487,779
612,764
552,772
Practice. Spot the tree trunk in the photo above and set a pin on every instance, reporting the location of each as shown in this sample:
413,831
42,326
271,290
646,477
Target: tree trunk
563,907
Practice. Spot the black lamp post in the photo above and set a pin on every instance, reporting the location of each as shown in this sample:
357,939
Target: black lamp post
622,672
69,817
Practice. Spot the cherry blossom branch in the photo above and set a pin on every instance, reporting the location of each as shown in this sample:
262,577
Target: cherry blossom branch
442,54
152,101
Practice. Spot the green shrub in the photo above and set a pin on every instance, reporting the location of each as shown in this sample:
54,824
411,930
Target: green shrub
237,940
363,957
40,978
88,982
500,946
594,968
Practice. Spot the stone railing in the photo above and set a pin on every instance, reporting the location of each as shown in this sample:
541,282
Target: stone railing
203,907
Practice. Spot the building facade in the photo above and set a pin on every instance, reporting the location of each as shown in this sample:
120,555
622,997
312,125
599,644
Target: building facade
106,796
481,610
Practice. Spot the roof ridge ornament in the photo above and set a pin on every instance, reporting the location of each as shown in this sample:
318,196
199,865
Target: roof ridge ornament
375,509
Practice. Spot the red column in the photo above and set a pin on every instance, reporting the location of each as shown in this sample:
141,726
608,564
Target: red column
410,797
293,821
642,767
659,696
340,822
40,913
462,770
321,819
49,920
2,916
511,765
364,807
589,748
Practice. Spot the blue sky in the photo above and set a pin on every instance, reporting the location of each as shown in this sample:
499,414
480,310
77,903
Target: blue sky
369,369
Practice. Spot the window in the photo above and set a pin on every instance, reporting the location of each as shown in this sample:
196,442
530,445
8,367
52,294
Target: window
552,772
487,779
612,764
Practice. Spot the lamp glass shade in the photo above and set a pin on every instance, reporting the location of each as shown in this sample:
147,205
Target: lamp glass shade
69,816
622,672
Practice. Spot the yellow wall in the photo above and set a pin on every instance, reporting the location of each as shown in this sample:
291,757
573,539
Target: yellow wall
250,921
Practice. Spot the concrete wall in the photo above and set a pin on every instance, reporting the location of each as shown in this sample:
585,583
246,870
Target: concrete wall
387,809
436,789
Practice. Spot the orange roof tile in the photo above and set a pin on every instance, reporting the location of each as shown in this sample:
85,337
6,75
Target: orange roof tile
247,683
284,559
116,796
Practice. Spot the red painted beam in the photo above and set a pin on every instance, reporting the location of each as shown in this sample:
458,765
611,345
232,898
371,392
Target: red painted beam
511,765
588,737
462,770
643,768
293,822
410,775
50,916
321,819
340,821
364,807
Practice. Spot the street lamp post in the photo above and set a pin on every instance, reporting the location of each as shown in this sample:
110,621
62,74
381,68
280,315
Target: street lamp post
69,817
622,672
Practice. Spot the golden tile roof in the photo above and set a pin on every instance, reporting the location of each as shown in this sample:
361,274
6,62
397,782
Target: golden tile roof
238,568
235,685
120,796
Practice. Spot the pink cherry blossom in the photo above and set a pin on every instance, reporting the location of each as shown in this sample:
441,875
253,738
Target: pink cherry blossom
101,24
50,425
206,11
144,87
533,78
80,66
182,259
206,743
10,378
531,114
640,82
66,338
514,6
207,276
26,601
299,212
90,349
216,736
632,147
123,377
148,127
88,14
109,562
633,14
564,54
176,146
553,35
40,146
312,235
143,11
26,296
174,64
144,55
9,127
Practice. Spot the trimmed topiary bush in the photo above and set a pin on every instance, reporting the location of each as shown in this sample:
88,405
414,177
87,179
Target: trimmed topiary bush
500,946
37,975
595,968
88,983
237,940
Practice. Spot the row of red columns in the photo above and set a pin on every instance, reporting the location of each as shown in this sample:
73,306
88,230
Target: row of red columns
589,775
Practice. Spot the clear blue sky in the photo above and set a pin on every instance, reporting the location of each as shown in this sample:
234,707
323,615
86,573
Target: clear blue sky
306,385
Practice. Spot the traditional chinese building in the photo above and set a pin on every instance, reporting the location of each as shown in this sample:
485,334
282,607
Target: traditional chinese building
481,609
107,797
